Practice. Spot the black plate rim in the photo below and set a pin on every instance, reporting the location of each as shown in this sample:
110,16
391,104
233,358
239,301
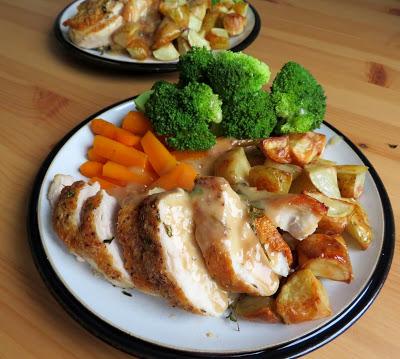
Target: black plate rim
139,67
143,349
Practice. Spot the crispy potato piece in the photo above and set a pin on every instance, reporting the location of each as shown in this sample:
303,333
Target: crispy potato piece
326,256
305,147
317,179
166,32
194,23
178,14
277,250
233,166
183,45
287,167
218,38
209,21
277,149
199,8
234,23
196,39
166,53
125,34
358,226
257,309
138,49
241,8
351,179
302,298
270,179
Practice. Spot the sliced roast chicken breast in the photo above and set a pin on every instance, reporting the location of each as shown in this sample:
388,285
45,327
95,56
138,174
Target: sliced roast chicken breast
232,251
96,241
67,211
297,214
171,258
95,22
59,182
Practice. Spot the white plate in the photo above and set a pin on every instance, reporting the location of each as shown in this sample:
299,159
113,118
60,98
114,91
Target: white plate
152,321
237,43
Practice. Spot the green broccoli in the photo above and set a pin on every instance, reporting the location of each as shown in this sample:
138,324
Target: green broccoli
299,100
250,115
184,115
234,73
193,65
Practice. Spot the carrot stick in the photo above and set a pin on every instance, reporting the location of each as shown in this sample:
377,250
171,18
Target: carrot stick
107,129
119,153
182,176
136,122
91,169
93,157
160,158
189,155
122,173
104,184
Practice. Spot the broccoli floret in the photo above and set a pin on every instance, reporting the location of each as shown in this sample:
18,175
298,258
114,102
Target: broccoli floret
184,115
234,73
199,100
193,65
299,100
250,115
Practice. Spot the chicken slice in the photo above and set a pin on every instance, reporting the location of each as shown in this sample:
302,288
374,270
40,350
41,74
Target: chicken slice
96,242
233,254
297,214
95,22
67,211
171,257
59,182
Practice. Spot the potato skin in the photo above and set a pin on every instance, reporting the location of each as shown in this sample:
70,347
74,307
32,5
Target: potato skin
306,147
277,149
270,179
261,309
358,226
351,179
233,166
332,225
326,256
302,298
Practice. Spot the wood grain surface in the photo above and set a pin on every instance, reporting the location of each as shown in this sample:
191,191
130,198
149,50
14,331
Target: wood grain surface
352,47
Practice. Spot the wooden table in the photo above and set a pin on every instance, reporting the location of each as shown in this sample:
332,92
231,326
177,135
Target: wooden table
352,47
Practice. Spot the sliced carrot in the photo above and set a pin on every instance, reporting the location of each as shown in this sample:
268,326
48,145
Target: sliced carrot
107,129
189,155
160,158
122,173
104,184
119,153
91,169
136,122
182,176
93,157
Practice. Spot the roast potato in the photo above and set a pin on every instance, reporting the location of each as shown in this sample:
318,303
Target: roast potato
218,38
270,179
167,52
234,23
287,167
305,147
351,180
233,166
240,8
277,149
195,39
332,225
166,32
183,45
336,207
257,309
210,21
326,256
138,49
302,298
358,226
178,14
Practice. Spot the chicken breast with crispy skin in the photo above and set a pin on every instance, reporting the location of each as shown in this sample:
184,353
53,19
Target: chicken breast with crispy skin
67,211
96,242
59,182
171,258
233,254
95,22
